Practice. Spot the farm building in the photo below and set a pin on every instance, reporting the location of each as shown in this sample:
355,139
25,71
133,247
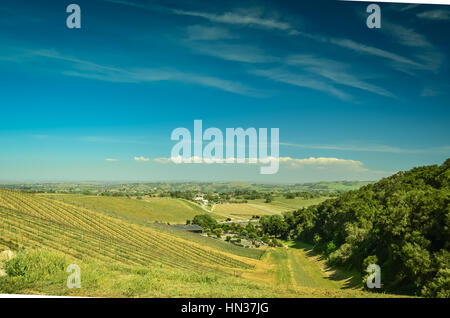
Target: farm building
201,199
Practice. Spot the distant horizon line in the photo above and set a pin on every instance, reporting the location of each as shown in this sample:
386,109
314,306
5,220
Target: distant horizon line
144,182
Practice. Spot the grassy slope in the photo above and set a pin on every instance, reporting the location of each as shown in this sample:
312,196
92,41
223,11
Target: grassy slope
309,270
293,267
117,280
119,259
32,221
174,211
100,279
297,269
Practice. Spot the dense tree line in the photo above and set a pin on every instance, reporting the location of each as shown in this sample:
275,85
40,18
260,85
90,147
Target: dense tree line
400,223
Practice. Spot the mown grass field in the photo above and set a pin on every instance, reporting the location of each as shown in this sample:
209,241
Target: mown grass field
298,265
245,211
147,211
297,269
281,204
122,259
239,211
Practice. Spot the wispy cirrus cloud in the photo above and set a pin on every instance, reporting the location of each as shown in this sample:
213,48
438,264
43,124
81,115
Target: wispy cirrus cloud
435,15
370,148
435,89
409,7
285,76
111,160
406,36
257,17
234,52
86,69
371,50
208,33
215,42
253,17
337,72
332,71
428,57
113,140
145,6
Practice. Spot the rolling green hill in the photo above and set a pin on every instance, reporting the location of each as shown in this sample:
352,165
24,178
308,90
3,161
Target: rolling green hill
146,211
122,259
32,221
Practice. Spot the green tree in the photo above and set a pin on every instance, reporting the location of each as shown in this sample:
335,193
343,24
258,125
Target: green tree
206,221
274,225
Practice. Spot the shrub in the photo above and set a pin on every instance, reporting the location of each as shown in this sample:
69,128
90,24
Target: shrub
317,240
36,264
330,248
341,255
218,232
439,286
276,243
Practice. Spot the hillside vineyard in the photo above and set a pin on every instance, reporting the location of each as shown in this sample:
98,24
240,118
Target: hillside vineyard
30,221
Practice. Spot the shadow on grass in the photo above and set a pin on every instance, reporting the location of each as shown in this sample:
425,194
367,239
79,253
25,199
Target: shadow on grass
349,280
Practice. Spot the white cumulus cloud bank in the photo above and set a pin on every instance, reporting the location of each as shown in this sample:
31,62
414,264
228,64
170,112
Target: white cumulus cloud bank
322,162
141,159
287,161
290,169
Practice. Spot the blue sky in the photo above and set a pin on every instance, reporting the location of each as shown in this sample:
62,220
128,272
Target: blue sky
351,103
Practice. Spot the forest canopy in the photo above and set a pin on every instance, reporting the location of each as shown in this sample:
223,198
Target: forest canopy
400,223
